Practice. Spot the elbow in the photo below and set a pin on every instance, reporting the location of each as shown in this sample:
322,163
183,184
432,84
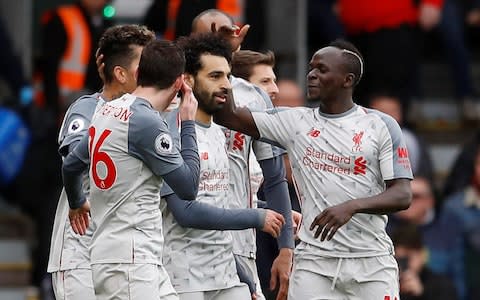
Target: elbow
188,194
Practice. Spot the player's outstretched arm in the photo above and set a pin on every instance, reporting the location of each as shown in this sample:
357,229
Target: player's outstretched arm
200,215
396,197
236,118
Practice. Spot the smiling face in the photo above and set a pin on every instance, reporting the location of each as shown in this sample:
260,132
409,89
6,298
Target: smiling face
211,83
327,76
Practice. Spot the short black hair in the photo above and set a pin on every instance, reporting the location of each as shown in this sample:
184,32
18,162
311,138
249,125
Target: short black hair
209,12
354,62
116,46
200,44
160,64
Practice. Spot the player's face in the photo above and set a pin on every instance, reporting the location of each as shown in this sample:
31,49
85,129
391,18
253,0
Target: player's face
211,83
326,76
131,79
264,77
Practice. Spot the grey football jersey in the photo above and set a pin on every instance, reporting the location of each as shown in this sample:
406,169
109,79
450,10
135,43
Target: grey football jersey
336,158
202,260
238,147
67,249
130,149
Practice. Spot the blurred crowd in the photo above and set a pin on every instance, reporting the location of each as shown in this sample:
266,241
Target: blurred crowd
437,239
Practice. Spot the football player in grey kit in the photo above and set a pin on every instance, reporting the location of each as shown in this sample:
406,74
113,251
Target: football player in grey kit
351,168
69,260
198,251
130,152
270,160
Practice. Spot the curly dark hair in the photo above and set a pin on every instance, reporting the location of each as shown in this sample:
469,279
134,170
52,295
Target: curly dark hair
197,45
116,45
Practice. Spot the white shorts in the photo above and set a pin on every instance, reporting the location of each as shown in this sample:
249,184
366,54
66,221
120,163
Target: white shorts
325,278
239,292
76,284
132,282
250,265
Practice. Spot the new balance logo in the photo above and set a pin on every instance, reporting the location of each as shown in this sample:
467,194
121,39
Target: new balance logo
314,133
402,152
204,156
389,298
360,166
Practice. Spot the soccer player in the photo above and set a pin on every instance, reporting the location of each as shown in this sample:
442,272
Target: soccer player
257,68
198,251
270,160
351,167
131,152
69,260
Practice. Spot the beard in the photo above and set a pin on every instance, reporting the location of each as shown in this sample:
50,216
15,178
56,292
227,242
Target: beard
207,102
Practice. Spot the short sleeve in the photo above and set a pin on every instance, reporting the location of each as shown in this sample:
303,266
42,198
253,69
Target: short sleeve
150,140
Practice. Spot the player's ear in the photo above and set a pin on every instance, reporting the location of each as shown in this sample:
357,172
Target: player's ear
120,74
349,80
189,79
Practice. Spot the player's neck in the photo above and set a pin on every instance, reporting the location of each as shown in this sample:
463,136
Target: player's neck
203,117
111,92
159,99
337,105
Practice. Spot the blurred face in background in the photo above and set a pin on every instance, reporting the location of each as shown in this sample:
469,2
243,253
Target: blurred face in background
264,77
290,94
389,105
422,204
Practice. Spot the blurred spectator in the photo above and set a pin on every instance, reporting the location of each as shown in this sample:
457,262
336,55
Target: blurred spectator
14,135
459,256
385,32
452,34
461,172
11,71
67,62
419,155
421,213
417,281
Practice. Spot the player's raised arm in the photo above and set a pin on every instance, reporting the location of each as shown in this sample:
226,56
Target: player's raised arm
236,118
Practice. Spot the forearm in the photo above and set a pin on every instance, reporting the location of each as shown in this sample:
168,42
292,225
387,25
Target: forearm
184,180
72,180
195,214
278,198
236,118
396,197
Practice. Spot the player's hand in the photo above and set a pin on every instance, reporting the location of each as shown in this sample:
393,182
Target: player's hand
410,283
254,296
100,65
281,269
429,16
188,104
332,218
296,221
234,35
79,218
273,223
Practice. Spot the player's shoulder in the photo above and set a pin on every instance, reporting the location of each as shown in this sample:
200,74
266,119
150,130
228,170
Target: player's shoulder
373,113
86,100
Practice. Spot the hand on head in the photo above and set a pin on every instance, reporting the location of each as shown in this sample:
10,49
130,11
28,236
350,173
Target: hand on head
234,34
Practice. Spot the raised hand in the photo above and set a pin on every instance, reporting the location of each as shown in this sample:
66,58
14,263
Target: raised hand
188,104
234,34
